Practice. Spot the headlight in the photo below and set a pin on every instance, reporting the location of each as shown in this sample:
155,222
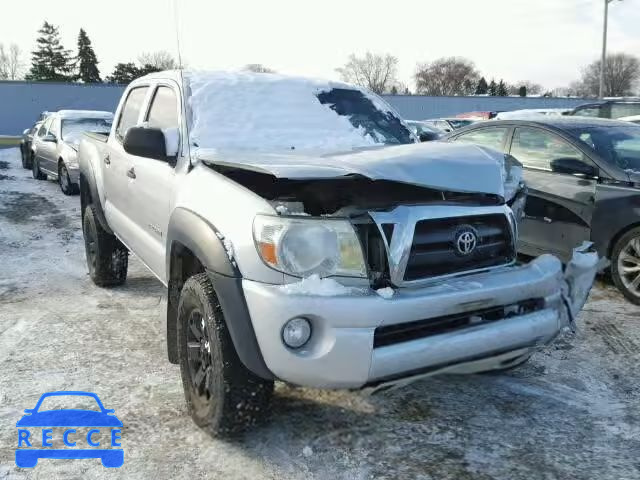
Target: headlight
304,246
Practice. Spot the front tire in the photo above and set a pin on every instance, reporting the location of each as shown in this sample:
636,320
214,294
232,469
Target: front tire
24,157
35,169
625,265
107,257
64,181
223,397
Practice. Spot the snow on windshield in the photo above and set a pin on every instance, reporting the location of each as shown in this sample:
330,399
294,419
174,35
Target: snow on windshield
74,128
268,112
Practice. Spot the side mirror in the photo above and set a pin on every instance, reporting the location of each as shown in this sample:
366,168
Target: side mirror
573,166
25,131
145,142
50,137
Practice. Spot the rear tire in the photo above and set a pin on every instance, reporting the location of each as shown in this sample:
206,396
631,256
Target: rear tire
223,397
64,181
107,257
625,265
35,169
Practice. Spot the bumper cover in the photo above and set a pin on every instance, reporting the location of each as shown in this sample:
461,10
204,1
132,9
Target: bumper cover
341,351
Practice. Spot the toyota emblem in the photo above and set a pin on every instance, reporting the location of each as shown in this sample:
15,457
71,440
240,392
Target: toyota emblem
466,240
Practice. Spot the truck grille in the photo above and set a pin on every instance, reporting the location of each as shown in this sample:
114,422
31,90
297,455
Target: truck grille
405,332
451,245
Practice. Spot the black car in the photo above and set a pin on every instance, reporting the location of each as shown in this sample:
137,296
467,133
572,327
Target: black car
583,177
608,109
25,144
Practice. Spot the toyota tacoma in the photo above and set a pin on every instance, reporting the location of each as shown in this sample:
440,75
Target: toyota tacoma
305,235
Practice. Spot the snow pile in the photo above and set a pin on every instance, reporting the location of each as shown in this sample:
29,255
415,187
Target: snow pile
322,287
228,246
386,292
269,112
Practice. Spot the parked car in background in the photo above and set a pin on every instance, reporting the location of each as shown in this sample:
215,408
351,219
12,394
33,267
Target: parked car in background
424,131
613,109
478,115
583,179
633,119
531,113
55,145
447,125
25,144
324,247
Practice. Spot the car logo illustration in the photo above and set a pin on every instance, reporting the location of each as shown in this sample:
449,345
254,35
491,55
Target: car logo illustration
28,453
466,240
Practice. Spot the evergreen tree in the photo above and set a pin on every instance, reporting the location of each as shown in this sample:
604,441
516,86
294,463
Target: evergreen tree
522,91
124,73
86,60
493,88
502,89
50,61
482,88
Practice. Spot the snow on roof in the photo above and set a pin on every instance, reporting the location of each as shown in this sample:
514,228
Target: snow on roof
262,111
83,114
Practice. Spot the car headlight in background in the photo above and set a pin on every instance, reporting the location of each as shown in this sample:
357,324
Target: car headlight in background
302,246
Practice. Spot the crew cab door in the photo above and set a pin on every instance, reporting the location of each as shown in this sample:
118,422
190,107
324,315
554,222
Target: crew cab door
116,163
561,182
151,182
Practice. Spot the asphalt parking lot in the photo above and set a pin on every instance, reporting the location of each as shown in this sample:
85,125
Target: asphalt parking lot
573,412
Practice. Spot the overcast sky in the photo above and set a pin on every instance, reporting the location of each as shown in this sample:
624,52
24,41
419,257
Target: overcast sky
546,41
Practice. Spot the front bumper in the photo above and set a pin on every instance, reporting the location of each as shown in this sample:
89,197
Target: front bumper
341,352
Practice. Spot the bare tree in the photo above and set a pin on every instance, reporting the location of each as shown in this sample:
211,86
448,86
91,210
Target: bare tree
373,71
10,63
447,76
257,68
160,60
621,76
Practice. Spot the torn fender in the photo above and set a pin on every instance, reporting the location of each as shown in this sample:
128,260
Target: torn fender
579,275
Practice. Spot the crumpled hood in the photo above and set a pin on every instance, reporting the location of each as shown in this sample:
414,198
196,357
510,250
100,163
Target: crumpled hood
456,167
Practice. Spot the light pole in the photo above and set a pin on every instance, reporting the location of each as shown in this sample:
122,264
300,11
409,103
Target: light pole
604,47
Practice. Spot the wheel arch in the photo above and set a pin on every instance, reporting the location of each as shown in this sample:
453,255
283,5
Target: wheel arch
618,235
89,196
194,246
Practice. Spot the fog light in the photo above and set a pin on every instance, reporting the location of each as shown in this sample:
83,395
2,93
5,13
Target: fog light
296,332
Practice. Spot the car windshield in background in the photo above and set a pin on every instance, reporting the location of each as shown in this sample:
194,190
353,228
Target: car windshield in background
381,125
617,145
460,123
72,129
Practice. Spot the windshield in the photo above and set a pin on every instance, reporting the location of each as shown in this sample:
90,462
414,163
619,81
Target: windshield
72,129
421,127
460,123
617,145
383,126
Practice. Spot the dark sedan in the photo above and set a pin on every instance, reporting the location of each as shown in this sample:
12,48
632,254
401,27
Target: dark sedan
583,176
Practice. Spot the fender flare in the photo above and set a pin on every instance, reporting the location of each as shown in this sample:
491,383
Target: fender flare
89,194
195,233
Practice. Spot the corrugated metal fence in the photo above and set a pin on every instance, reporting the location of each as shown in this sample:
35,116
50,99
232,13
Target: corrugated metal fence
22,102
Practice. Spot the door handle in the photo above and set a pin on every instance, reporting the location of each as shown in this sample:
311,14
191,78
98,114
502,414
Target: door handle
131,173
107,159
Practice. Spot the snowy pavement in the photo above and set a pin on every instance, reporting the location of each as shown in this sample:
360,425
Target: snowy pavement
573,412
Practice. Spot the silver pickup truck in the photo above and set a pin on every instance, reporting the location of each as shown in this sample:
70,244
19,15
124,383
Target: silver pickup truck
304,235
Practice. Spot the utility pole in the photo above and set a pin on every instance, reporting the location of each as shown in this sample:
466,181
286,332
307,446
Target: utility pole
604,47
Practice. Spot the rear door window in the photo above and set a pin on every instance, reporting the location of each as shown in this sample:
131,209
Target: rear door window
492,137
619,110
131,111
539,149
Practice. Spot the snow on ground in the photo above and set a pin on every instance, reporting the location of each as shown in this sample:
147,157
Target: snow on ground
570,413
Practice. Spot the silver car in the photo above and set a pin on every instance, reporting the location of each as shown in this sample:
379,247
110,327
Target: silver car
54,147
